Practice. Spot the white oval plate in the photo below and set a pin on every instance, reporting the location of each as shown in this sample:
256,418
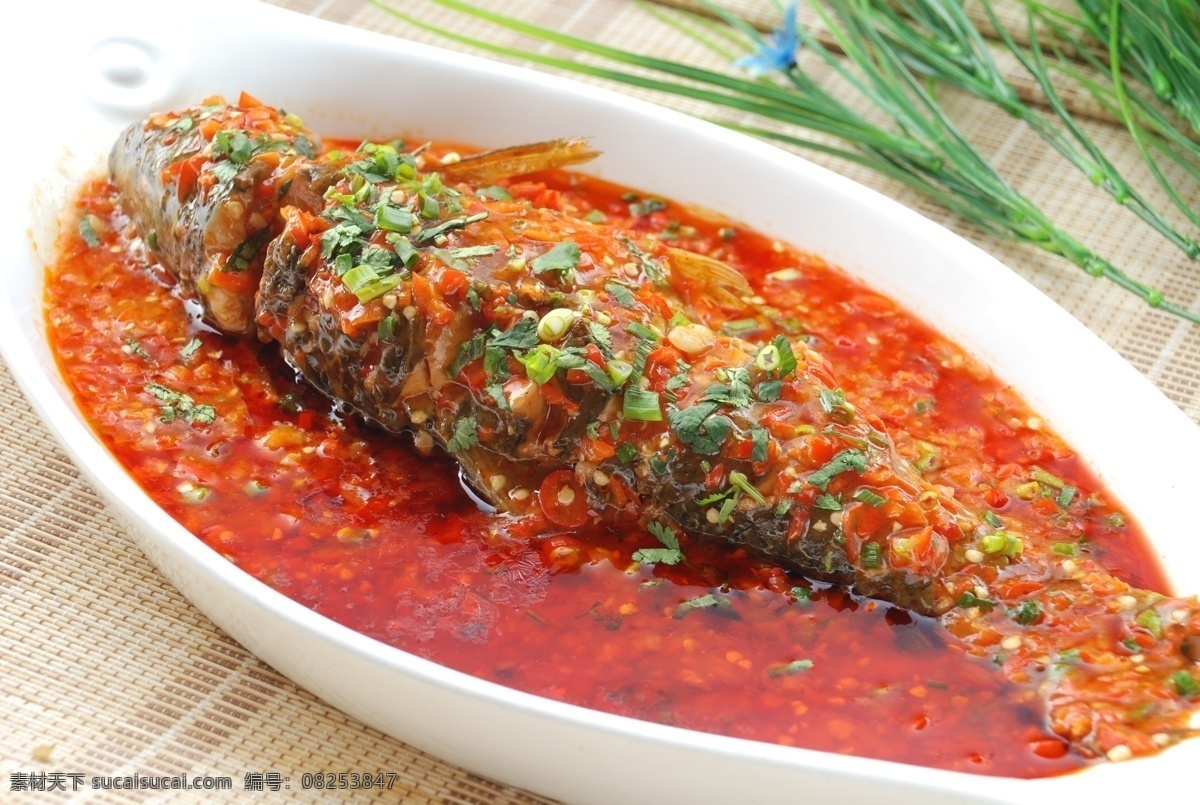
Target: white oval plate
346,82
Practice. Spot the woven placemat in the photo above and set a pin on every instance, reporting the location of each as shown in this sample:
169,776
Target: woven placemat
106,670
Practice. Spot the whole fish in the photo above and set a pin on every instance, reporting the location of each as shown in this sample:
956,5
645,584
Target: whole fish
567,367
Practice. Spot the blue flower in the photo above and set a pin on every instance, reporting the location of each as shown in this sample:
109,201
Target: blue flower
778,52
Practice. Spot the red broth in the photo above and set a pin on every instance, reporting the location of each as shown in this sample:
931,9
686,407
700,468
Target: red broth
354,524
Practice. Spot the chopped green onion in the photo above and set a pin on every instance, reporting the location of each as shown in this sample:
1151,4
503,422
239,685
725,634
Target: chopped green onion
739,481
740,327
871,555
1185,685
429,206
387,327
642,405
930,458
618,370
870,497
993,520
768,358
359,276
555,324
446,226
1066,549
1046,478
1151,621
88,233
541,363
626,452
494,192
1001,542
642,332
377,288
394,219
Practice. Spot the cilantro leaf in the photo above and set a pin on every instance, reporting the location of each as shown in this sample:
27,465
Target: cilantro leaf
621,293
718,603
601,337
470,351
563,258
466,435
787,358
669,554
828,502
735,392
176,405
224,171
697,427
190,348
522,335
846,460
768,390
760,437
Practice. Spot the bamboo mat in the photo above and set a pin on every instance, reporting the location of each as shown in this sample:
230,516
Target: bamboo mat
106,670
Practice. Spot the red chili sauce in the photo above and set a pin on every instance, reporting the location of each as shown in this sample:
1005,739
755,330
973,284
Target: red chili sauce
354,524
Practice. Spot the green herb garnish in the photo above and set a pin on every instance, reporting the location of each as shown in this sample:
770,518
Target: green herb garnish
1027,613
845,460
446,226
563,259
969,600
466,435
793,667
176,405
870,497
669,554
642,405
700,428
88,233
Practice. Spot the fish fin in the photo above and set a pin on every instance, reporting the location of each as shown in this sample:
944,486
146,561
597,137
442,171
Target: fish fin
709,278
519,160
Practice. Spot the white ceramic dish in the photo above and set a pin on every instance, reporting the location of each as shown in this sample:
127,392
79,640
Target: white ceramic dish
147,56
